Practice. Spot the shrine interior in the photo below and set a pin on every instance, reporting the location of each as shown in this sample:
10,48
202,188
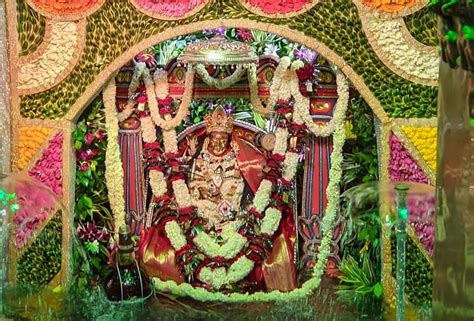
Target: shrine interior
242,159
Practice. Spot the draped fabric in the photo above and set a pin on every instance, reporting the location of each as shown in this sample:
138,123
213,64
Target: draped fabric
251,162
130,142
157,256
279,269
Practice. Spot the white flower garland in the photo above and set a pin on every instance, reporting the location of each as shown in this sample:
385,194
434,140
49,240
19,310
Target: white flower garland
253,89
132,88
281,141
113,162
275,87
332,194
148,129
168,137
289,165
181,193
262,195
302,105
236,272
157,183
271,221
183,109
162,87
220,83
175,235
234,242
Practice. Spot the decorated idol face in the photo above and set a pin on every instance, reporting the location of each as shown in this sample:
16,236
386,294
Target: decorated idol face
218,143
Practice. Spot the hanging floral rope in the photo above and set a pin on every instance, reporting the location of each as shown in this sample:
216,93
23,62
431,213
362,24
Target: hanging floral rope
183,108
220,83
113,163
302,103
327,226
132,89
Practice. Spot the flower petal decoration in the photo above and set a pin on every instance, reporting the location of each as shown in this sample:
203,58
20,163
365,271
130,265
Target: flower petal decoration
54,59
169,10
398,49
400,7
66,10
424,140
402,166
48,168
278,9
30,140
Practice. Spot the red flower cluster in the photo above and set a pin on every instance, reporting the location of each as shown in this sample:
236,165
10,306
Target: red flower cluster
306,72
244,34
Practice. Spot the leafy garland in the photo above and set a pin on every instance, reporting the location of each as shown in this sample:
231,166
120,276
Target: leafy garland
186,225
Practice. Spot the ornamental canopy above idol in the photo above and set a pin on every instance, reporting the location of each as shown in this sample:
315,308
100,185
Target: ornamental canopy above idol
219,134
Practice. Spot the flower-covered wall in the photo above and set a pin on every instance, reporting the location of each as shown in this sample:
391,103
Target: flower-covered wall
63,53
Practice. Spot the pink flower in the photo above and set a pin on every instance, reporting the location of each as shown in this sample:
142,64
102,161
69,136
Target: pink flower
100,135
244,34
87,154
89,138
84,167
49,167
402,166
141,99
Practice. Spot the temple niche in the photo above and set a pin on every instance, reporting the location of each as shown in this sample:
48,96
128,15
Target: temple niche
226,151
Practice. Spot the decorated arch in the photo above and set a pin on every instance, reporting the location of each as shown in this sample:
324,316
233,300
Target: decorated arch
69,60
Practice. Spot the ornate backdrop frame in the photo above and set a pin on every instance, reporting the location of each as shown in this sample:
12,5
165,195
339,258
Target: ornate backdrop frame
234,15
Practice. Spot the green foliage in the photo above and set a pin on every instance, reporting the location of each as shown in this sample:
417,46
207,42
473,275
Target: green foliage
361,250
423,25
42,259
360,163
240,108
419,272
334,23
92,210
358,278
31,27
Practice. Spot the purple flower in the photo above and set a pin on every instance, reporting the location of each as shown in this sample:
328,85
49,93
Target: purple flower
216,31
90,233
229,109
210,105
306,55
87,154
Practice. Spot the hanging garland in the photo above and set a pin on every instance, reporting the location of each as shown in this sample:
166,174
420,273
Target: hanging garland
220,83
301,106
225,265
153,102
132,89
113,163
327,226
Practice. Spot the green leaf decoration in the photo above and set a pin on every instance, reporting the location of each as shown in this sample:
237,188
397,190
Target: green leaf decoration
41,261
